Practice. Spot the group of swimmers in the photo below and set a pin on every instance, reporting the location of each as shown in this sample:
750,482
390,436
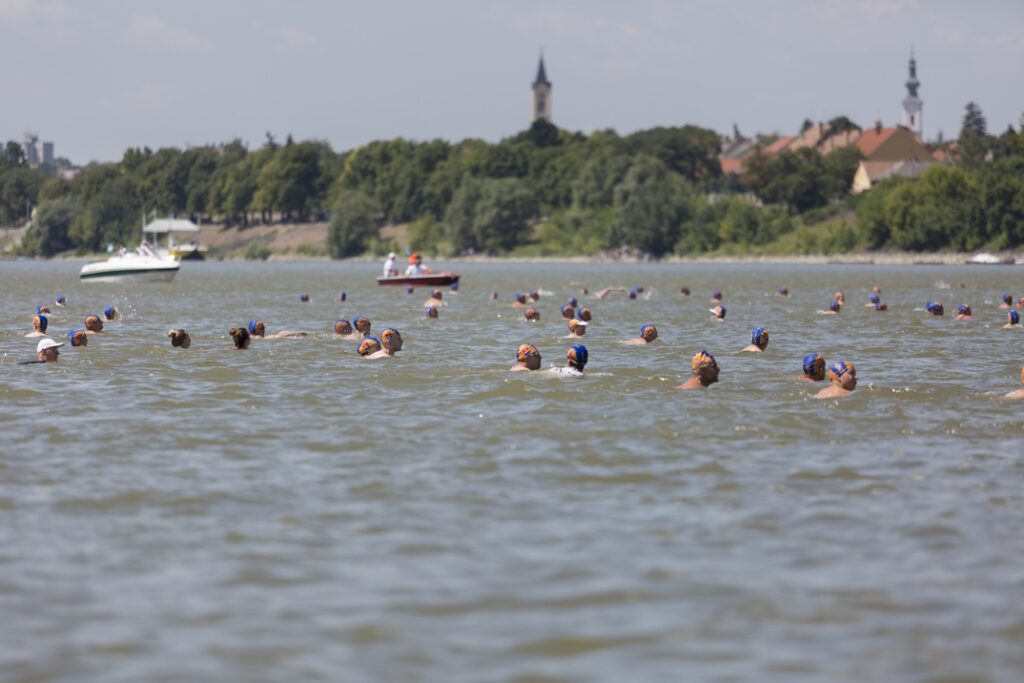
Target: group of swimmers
704,369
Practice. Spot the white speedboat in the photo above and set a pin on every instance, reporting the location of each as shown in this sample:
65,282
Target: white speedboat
147,263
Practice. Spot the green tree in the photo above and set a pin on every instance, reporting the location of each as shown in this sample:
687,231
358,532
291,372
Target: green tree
111,216
1001,199
355,221
490,214
652,203
975,143
49,232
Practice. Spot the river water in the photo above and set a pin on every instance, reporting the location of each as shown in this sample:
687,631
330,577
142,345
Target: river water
295,512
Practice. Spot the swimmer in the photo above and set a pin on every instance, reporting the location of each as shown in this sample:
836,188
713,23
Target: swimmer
78,338
833,308
368,347
241,337
577,357
842,379
531,314
259,331
1019,393
1007,301
568,312
963,312
572,302
110,314
362,325
527,358
840,297
704,370
390,344
717,313
934,307
873,299
180,339
1020,302
648,333
813,367
304,298
520,300
454,287
93,324
430,311
534,295
684,291
608,290
584,314
758,341
61,301
1012,319
881,306
39,325
46,352
632,294
577,328
42,309
494,296
783,291
343,329
343,296
716,295
435,299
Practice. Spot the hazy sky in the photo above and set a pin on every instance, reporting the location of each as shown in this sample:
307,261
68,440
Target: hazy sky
97,77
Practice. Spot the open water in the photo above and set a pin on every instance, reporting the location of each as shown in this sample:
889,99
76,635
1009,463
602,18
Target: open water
297,513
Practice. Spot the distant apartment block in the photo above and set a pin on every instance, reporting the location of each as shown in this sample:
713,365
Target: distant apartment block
36,151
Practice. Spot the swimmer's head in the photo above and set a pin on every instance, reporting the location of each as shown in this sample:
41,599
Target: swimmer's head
718,312
180,339
240,336
876,289
835,305
577,327
391,339
934,307
843,373
436,294
39,323
520,297
963,309
873,297
716,294
531,314
430,311
409,289
534,294
368,346
93,323
814,367
42,309
759,338
61,301
1013,317
572,302
577,356
454,286
528,355
304,298
703,365
840,297
584,314
257,328
362,324
342,326
632,294
342,296
110,313
648,333
1007,299
783,291
881,306
494,296
78,338
567,311
685,291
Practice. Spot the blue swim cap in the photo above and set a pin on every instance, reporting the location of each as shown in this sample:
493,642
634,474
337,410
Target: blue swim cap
303,297
1014,317
108,311
755,336
873,298
632,294
454,286
572,301
810,362
342,296
933,308
252,326
43,322
963,309
60,299
578,354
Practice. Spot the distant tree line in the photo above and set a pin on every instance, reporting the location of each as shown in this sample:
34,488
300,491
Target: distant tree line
543,191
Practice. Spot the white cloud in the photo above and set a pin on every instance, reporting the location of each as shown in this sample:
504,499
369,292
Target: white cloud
150,32
34,10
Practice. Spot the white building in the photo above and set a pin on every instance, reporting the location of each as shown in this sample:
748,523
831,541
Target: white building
36,152
912,104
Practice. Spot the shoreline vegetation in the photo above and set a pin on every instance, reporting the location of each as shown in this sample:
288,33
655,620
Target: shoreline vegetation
545,193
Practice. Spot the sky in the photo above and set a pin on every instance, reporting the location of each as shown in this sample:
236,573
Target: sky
99,76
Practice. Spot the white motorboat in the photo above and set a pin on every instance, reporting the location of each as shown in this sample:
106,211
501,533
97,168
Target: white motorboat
145,264
987,259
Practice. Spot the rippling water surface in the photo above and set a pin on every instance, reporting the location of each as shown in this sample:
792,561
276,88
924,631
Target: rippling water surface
295,512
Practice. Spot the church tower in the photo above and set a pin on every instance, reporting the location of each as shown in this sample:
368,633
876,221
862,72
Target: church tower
912,104
541,94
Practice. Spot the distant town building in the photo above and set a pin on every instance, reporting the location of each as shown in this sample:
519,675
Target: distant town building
912,104
36,152
541,94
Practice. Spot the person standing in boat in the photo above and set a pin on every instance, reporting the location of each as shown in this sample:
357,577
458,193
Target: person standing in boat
389,266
